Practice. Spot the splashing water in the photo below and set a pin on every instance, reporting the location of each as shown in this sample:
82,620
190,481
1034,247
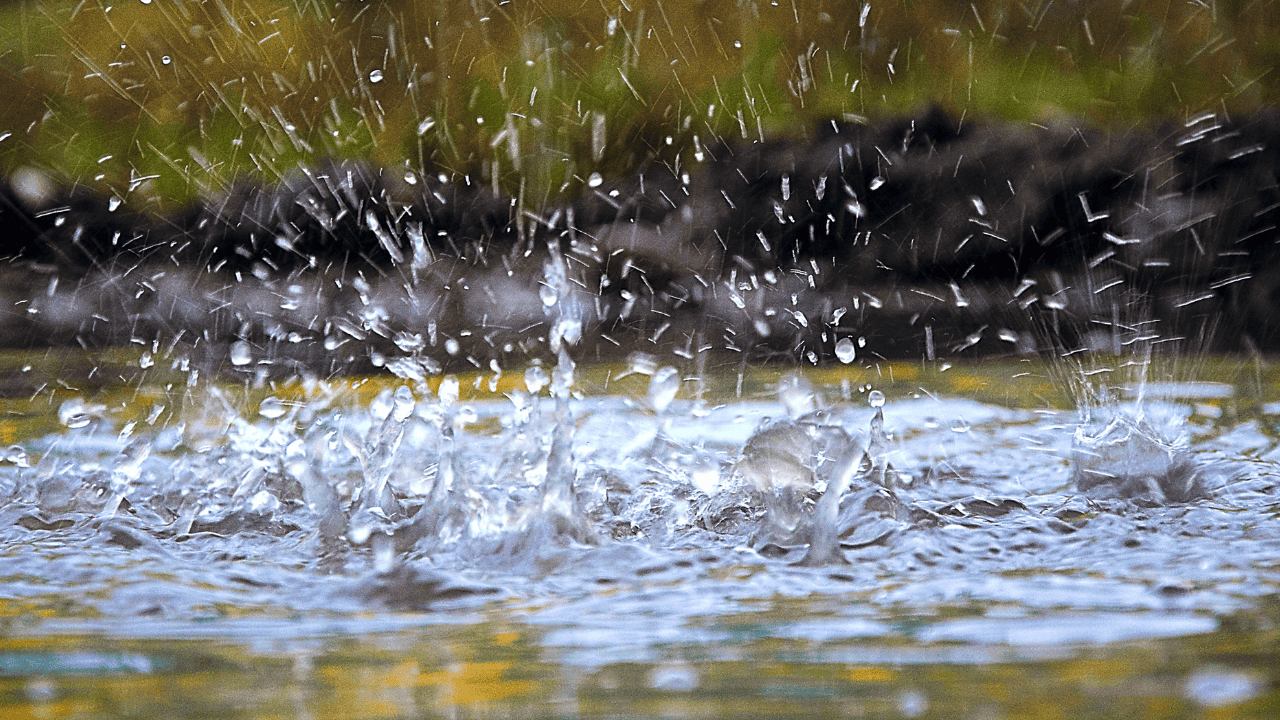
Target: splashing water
420,488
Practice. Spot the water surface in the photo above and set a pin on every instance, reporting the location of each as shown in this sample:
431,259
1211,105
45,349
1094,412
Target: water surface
403,546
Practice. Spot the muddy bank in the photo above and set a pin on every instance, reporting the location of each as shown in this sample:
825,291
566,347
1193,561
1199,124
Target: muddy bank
922,237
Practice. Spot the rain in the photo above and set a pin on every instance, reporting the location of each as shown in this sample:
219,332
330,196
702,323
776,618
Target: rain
406,358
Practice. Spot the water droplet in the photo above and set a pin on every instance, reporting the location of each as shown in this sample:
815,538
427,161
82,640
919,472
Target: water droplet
535,378
411,177
113,204
17,455
272,408
663,387
568,330
409,342
74,414
146,361
451,346
375,76
876,182
549,295
845,351
241,353
425,125
875,399
595,180
146,2
165,60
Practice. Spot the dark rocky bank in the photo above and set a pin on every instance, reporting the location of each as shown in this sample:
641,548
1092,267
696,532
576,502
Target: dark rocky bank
923,237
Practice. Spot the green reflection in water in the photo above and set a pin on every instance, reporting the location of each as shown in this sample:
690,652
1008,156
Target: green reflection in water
497,666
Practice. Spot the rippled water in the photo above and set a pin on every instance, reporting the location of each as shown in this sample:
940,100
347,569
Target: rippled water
657,532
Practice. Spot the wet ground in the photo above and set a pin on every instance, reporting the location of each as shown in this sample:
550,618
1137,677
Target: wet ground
647,542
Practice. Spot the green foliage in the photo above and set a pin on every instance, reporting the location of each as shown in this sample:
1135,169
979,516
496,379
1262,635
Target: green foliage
163,101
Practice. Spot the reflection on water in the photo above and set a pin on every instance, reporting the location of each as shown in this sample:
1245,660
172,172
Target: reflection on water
495,663
383,549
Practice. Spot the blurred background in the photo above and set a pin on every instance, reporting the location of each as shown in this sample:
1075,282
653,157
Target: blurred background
159,102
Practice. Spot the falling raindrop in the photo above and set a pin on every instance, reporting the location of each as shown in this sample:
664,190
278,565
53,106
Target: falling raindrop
241,353
595,180
875,399
549,295
375,76
845,351
165,60
410,177
146,361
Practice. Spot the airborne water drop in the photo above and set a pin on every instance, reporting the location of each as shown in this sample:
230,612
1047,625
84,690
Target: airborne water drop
272,408
845,351
241,353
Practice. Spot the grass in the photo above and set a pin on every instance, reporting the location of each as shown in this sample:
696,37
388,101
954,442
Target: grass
160,102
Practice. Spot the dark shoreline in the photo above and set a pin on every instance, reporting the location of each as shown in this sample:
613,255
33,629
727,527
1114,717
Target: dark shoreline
915,238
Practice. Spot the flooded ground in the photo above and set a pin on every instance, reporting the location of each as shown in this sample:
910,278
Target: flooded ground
645,541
